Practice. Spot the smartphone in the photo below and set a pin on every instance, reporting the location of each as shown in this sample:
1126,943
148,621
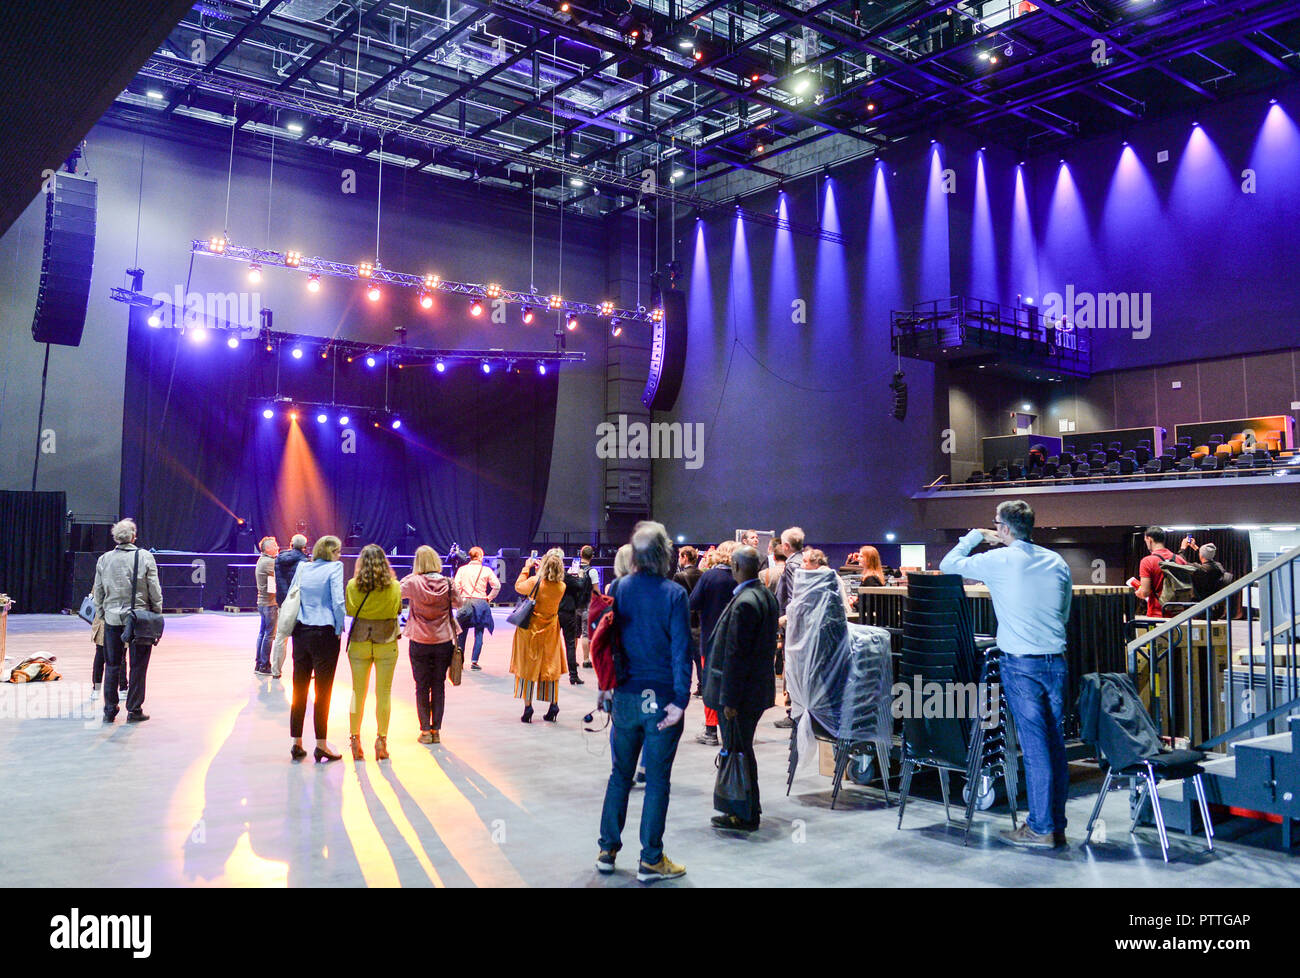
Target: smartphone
533,555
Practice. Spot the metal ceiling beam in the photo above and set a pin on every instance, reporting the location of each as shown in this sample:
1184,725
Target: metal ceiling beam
229,48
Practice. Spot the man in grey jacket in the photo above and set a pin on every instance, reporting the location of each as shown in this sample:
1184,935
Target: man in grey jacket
115,598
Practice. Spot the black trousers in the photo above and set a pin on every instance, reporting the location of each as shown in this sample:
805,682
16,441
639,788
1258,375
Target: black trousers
569,628
315,655
429,667
738,735
97,669
115,656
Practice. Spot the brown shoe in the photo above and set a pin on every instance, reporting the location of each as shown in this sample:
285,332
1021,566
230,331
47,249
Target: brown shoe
355,742
437,738
425,737
1026,837
381,748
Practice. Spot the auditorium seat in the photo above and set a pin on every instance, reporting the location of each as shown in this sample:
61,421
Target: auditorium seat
1111,470
1142,454
1127,465
976,476
1153,467
1082,471
1211,463
1050,467
1215,439
1185,465
1182,450
1200,452
1001,475
1098,460
1034,475
1064,474
1016,470
1067,457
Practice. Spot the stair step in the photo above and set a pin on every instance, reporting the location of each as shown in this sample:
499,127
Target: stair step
1281,743
1221,767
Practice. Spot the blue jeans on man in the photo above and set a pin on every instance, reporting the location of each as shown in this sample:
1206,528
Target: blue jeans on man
1035,691
634,732
478,641
270,614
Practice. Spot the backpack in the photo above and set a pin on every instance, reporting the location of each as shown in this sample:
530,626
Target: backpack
1176,586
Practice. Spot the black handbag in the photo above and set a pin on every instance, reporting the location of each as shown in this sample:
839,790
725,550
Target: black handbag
523,613
733,791
142,626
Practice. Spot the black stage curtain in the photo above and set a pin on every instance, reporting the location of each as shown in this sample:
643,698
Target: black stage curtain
31,550
470,462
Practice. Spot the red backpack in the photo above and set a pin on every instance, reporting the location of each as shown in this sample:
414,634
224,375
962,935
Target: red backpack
606,642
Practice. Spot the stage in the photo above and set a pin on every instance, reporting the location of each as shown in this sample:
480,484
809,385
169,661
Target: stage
204,794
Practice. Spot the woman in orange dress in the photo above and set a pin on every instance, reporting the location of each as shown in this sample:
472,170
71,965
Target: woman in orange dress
537,658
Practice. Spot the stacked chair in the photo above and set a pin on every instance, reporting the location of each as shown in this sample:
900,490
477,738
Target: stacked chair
939,646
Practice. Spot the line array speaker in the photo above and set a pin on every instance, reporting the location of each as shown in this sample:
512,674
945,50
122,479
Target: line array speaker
67,260
667,354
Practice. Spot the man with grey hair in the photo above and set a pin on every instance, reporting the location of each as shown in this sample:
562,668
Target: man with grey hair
268,607
792,543
115,597
1208,575
285,565
1031,590
647,704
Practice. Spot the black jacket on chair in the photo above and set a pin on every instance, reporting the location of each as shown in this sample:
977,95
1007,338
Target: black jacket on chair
738,672
1126,734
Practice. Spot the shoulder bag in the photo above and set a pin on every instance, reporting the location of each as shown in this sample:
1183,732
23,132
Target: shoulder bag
523,613
142,626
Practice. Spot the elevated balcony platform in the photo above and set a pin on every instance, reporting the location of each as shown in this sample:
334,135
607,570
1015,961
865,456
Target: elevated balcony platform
965,332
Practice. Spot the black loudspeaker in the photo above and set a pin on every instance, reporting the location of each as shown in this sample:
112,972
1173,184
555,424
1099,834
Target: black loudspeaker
667,354
66,261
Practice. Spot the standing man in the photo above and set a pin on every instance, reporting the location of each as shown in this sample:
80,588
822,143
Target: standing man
115,597
286,563
585,556
739,679
478,587
1031,590
792,541
1209,576
1151,577
268,608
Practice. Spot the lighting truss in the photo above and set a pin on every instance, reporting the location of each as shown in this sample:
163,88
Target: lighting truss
184,75
421,283
398,357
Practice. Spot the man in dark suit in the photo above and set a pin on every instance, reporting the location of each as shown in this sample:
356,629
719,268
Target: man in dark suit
709,596
739,673
792,541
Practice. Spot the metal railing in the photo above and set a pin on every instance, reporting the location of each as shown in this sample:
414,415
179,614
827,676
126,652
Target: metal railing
1208,685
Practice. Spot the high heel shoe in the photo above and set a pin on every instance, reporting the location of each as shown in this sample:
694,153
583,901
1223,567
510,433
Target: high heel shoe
357,754
323,755
552,713
381,748
528,714
296,752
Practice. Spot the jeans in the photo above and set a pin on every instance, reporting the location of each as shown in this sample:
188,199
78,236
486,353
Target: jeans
115,655
1035,691
478,641
429,667
269,614
634,732
97,670
315,655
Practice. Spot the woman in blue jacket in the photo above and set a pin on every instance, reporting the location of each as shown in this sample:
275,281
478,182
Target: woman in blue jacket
316,642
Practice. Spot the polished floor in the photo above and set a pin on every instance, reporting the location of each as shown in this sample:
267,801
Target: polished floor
204,794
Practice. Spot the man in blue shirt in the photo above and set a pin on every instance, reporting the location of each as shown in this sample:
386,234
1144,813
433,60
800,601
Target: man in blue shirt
650,611
1031,589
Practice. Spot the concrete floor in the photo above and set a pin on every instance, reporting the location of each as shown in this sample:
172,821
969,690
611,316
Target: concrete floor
204,795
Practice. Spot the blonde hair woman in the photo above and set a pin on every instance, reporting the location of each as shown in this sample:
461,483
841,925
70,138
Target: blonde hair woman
374,599
622,565
432,629
537,658
316,642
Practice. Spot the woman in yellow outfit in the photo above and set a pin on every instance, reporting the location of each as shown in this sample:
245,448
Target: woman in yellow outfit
374,599
537,659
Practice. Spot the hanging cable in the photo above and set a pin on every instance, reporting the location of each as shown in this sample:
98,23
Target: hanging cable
270,188
379,198
230,164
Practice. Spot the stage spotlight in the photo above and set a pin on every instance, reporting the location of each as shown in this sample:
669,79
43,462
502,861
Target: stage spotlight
321,418
541,367
802,84
431,281
344,419
233,342
365,269
476,308
293,415
439,366
155,317
426,300
255,273
297,353
889,537
486,367
527,315
216,245
656,315
493,291
606,308
556,302
697,54
1272,101
615,328
571,323
198,334
373,293
871,106
370,361
293,258
397,423
325,353
313,283
268,414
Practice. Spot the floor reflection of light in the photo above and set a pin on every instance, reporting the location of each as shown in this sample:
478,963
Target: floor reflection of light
247,868
188,802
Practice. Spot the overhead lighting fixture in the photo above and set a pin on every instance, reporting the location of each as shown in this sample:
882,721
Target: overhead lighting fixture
198,334
698,55
475,307
576,182
615,328
373,293
571,323
656,315
344,419
555,302
255,273
526,314
297,353
801,83
678,174
216,245
485,367
155,317
890,537
268,413
397,423
365,269
493,291
293,258
233,342
426,300
984,56
439,365
606,308
322,418
295,127
370,361
871,106
541,367
313,283
153,93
